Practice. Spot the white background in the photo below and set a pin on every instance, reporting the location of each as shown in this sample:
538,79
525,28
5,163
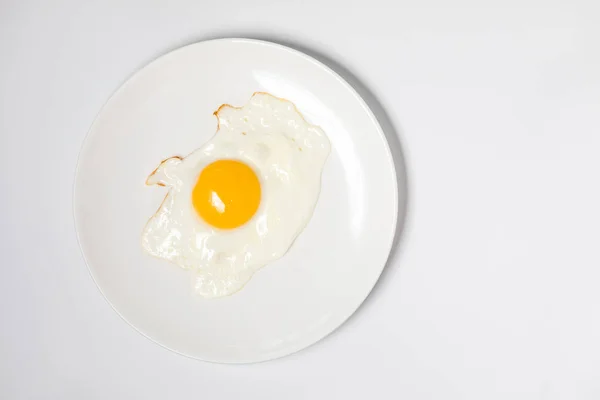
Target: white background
492,292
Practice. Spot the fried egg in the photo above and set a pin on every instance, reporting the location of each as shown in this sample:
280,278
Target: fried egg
239,201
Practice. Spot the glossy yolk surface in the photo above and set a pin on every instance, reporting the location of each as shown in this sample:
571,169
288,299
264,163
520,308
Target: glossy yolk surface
227,194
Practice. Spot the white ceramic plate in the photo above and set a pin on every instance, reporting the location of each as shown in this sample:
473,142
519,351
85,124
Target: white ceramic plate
166,109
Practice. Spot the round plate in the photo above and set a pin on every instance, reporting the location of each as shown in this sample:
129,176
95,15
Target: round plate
166,109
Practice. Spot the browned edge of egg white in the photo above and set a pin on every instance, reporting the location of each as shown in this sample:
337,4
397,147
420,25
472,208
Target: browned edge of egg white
159,184
156,169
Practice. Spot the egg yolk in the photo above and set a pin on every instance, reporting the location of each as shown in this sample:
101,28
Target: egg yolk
227,194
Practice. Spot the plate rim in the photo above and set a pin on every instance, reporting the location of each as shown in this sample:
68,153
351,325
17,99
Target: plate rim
324,67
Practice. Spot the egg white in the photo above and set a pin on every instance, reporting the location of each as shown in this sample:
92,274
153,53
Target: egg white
286,153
